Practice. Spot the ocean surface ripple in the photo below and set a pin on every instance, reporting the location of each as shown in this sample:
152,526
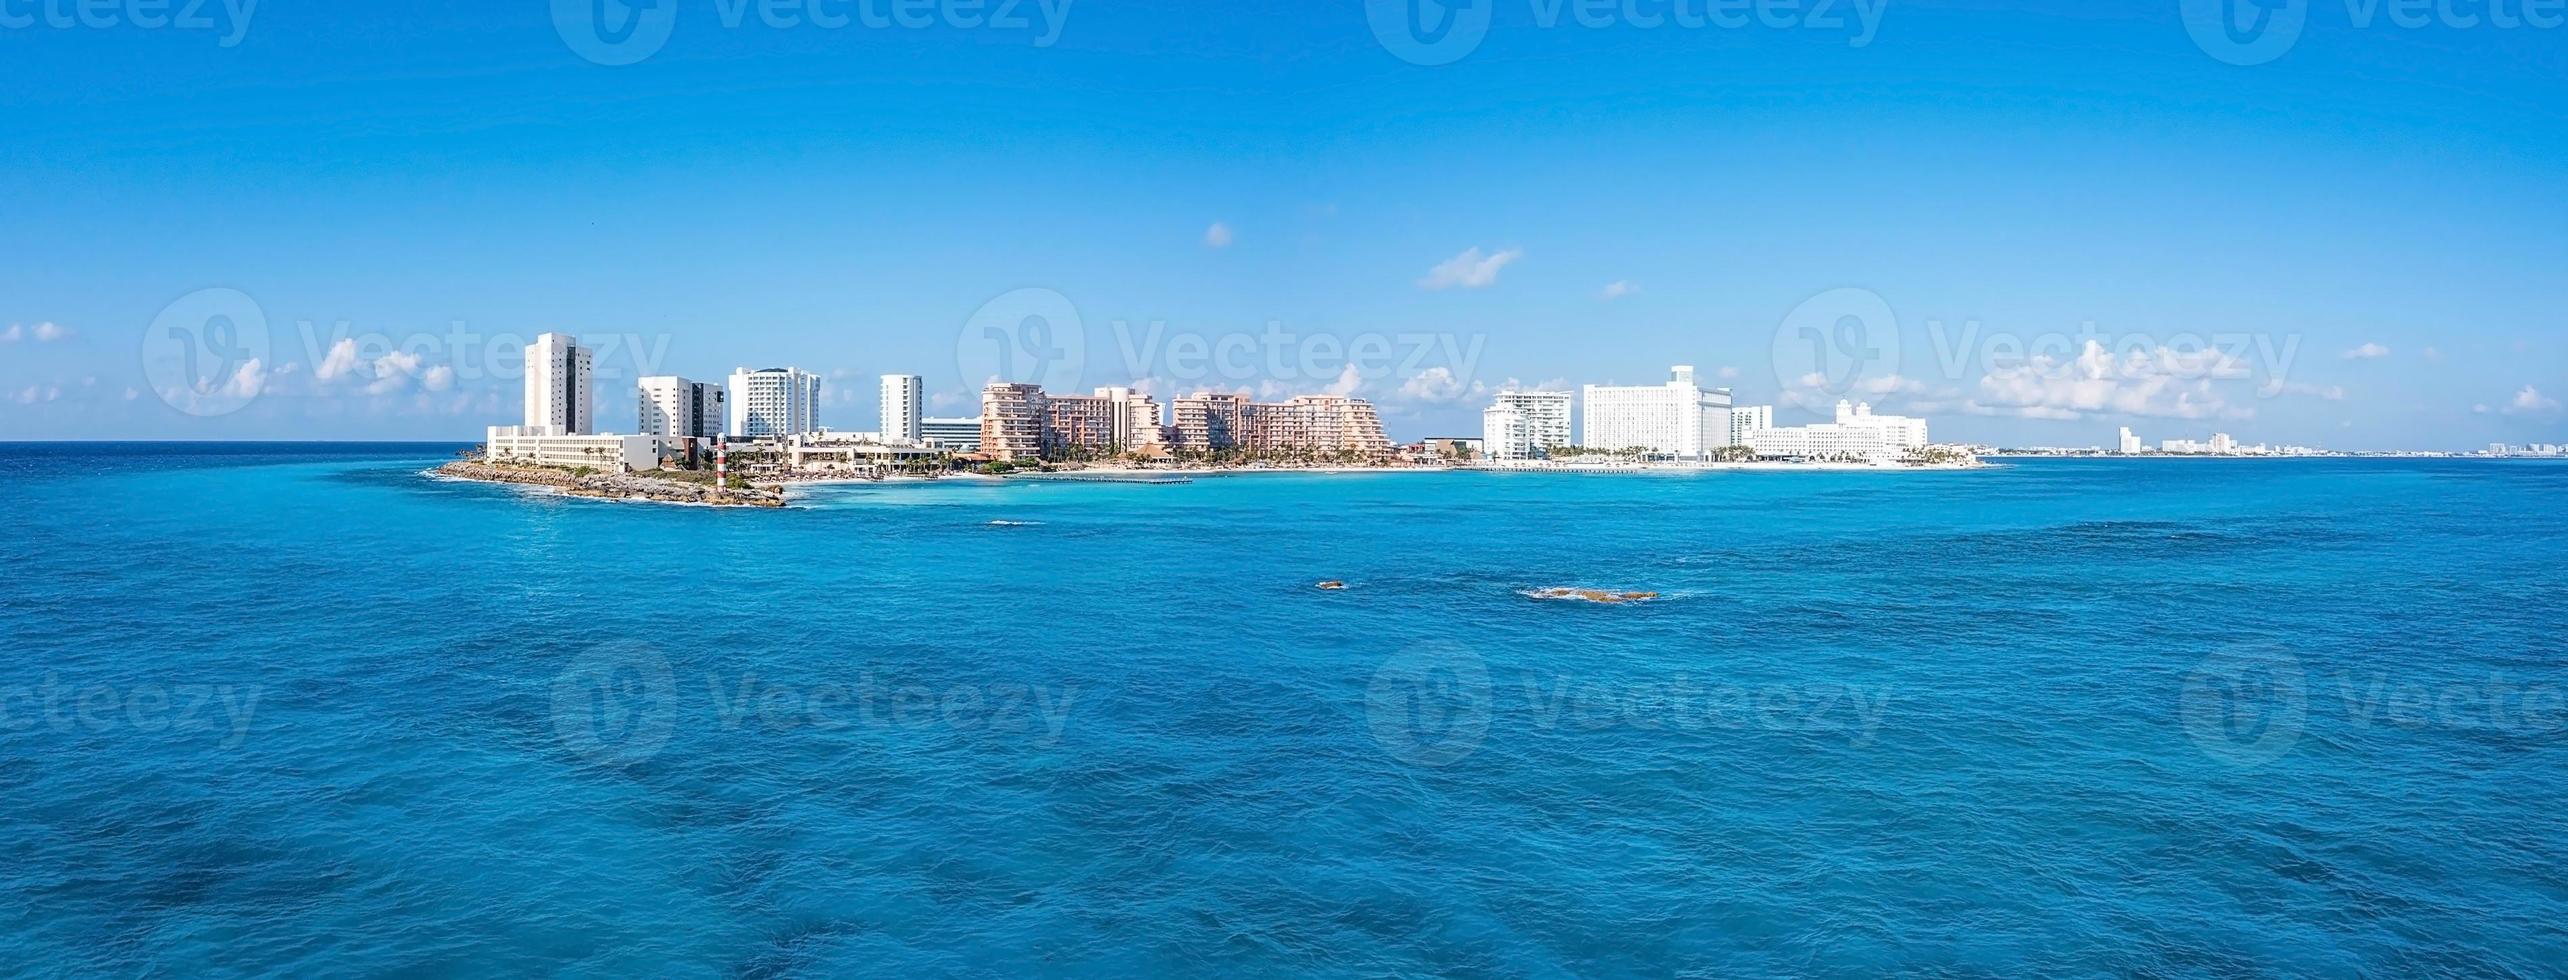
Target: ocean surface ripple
296,709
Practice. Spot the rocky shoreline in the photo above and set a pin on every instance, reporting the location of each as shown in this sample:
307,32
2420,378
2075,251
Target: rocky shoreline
612,486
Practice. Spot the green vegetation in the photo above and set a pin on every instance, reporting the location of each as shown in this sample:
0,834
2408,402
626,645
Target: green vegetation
1734,454
1938,456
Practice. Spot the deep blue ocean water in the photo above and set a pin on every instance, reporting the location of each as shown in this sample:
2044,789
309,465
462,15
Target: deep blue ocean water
296,709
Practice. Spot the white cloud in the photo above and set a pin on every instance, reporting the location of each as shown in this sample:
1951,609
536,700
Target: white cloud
438,378
1617,289
34,394
2480,409
2278,386
2530,399
393,372
42,333
400,362
246,382
1469,270
2160,383
1349,381
1512,384
1435,385
1728,373
342,360
1217,236
2367,352
133,393
2432,354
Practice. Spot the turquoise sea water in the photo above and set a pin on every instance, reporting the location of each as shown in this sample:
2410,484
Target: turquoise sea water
299,710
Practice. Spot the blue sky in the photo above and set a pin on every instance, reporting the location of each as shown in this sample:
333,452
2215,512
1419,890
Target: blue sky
2358,243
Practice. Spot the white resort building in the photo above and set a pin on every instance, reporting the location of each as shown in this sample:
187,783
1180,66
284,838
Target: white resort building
1679,418
957,435
1525,424
561,397
603,451
676,408
774,402
1857,432
902,408
1747,420
1505,433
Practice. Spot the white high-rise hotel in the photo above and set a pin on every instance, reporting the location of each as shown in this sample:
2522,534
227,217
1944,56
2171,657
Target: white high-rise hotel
1679,418
1524,424
902,408
560,396
774,402
676,408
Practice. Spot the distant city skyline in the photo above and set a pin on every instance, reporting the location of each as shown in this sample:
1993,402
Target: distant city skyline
2077,220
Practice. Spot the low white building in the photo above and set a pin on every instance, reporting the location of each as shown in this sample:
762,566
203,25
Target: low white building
1678,418
1746,420
960,435
1857,432
852,451
534,444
